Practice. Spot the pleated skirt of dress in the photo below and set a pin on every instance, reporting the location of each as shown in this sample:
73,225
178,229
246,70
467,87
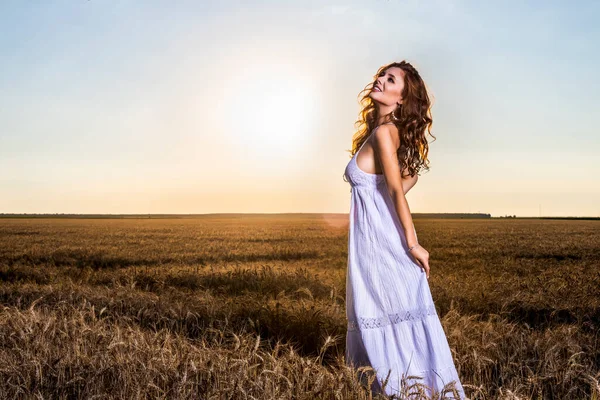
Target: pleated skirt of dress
393,325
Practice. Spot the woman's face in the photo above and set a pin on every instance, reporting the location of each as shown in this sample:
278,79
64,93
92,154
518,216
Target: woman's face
388,87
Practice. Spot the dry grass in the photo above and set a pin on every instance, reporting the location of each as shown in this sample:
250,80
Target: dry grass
222,308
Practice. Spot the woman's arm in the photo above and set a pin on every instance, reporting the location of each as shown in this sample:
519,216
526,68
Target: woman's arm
386,143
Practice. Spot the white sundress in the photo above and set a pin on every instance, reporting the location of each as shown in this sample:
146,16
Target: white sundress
392,321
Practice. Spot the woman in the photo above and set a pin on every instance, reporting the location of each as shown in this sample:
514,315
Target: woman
393,325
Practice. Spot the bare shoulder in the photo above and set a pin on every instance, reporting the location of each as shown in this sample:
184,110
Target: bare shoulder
386,137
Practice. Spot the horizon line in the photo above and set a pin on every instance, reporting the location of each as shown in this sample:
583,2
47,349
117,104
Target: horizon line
149,215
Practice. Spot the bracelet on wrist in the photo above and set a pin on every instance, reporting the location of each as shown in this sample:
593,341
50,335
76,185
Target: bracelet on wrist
412,247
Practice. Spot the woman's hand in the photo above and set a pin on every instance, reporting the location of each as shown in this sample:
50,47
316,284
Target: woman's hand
422,257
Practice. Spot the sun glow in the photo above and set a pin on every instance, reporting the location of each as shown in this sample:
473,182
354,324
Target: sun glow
271,111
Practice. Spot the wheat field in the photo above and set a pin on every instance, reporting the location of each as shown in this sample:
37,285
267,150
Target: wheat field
252,307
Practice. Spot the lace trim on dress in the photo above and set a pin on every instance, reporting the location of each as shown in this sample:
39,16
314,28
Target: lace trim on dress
379,322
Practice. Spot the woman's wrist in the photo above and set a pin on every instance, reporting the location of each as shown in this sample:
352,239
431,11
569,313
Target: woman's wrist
413,246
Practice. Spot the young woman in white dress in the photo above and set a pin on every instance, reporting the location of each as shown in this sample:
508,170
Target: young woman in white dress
393,325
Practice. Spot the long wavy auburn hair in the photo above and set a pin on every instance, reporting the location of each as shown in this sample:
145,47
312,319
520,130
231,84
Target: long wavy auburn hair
413,119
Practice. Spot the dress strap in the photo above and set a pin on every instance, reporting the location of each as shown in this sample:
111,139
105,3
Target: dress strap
374,129
387,123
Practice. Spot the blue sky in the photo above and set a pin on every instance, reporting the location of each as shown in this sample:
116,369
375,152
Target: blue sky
194,107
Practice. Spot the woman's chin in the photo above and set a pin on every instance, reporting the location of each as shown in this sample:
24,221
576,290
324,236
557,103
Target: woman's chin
375,98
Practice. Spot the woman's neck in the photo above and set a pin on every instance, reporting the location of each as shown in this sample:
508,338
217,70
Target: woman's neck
383,120
384,113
